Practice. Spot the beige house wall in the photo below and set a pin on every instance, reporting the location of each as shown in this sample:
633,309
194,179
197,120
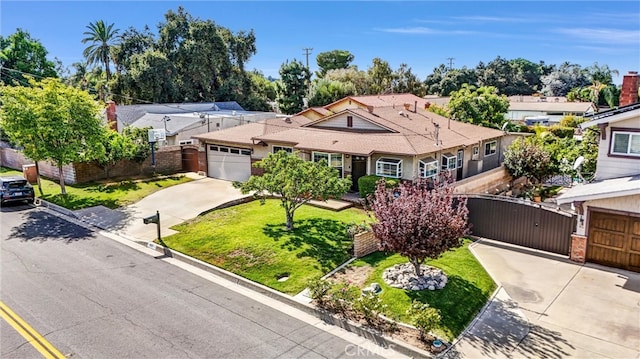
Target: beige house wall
613,167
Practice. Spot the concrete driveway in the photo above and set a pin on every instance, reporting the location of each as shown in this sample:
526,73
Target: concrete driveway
573,311
176,204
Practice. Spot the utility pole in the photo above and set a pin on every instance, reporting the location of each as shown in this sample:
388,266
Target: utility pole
450,62
307,52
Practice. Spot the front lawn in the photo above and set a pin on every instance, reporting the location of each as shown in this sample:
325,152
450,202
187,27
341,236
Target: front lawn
468,289
111,195
251,240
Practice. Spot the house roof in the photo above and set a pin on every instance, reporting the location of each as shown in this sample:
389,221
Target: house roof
409,133
397,100
615,187
128,114
576,107
613,115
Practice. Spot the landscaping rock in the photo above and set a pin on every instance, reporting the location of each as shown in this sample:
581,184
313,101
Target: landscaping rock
403,276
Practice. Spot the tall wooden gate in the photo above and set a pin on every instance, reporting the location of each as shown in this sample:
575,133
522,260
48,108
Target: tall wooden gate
521,222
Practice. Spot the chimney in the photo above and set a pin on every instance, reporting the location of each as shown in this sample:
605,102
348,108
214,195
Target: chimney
629,91
112,118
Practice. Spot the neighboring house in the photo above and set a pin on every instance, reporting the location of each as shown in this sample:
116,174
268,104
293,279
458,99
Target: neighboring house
387,135
532,110
182,121
608,229
545,111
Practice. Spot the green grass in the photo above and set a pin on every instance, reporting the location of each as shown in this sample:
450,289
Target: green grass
251,240
111,195
468,289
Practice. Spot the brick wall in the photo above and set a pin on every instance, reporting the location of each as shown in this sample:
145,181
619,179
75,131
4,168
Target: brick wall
15,159
168,161
578,248
365,243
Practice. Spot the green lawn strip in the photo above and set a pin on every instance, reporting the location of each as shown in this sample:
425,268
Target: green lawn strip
111,195
251,240
468,289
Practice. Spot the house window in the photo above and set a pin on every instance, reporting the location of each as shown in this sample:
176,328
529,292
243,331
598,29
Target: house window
490,148
286,149
349,121
449,161
389,167
476,153
625,143
428,167
333,160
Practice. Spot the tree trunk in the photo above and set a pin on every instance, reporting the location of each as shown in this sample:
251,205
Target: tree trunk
289,219
38,178
416,266
63,189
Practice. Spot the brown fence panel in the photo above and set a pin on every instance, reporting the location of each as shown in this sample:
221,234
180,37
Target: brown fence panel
521,222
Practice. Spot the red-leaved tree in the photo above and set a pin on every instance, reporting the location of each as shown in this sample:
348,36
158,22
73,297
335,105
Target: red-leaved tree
419,220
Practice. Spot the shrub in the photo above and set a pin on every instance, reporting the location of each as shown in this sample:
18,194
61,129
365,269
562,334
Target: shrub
318,290
367,184
423,317
562,132
341,297
369,306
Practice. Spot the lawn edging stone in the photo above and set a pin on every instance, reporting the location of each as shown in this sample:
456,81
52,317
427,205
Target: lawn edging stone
328,318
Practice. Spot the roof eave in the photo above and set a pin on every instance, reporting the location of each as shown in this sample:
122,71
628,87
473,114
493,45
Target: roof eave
596,196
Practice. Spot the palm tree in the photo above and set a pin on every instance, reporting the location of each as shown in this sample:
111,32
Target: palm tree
101,37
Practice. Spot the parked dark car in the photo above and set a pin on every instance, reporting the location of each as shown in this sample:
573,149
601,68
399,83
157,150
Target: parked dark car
15,188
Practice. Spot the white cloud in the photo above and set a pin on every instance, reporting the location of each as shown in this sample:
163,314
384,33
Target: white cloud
419,30
602,35
495,19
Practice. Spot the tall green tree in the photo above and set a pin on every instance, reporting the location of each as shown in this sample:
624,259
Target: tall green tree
292,87
359,79
333,60
380,76
405,81
53,122
295,182
20,54
564,78
324,92
131,42
482,106
102,39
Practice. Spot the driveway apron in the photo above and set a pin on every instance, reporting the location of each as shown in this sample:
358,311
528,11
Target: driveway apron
574,311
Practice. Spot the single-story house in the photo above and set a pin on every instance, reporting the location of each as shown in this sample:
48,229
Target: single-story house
545,111
608,208
184,120
386,135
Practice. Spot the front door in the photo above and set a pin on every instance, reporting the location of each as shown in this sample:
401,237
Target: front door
460,164
358,169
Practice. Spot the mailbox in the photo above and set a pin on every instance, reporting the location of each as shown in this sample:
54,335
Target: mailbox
151,219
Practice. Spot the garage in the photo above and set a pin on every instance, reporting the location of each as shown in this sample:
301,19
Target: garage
229,163
614,240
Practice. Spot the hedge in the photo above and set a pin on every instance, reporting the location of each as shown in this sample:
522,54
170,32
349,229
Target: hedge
367,184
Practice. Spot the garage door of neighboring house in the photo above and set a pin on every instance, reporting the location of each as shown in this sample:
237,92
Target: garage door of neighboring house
614,240
229,163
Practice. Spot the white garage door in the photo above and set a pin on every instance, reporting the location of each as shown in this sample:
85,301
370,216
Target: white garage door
229,163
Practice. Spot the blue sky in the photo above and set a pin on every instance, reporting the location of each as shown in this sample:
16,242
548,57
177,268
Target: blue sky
422,34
